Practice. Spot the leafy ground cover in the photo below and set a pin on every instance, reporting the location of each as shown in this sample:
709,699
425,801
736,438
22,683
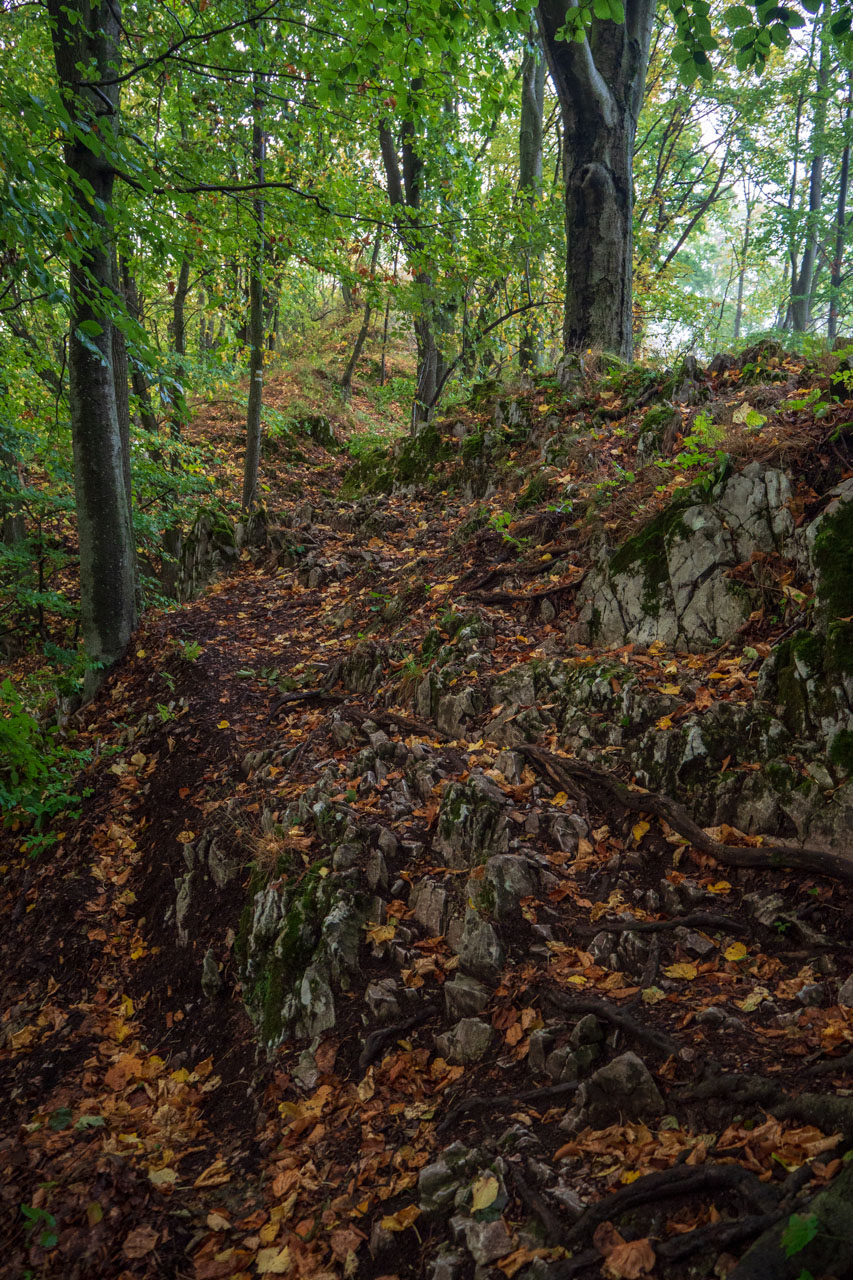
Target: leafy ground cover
148,1132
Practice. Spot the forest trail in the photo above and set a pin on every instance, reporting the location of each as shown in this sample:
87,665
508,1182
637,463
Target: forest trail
147,1134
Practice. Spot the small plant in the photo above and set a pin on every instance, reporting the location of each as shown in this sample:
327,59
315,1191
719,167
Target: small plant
39,1220
189,650
166,713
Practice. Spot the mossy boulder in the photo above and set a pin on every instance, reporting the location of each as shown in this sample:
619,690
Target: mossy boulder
671,581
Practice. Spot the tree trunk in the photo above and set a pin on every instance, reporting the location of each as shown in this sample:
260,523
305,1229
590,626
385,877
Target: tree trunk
836,275
256,311
404,190
802,283
120,382
600,87
179,412
85,36
346,380
744,255
530,181
147,417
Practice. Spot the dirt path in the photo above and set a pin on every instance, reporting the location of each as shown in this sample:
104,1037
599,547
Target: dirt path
145,1132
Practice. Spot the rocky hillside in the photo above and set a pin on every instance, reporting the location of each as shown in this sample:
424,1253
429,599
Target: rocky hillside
464,885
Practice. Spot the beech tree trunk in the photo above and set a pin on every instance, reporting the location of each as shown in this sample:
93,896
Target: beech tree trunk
600,87
85,36
256,312
836,269
802,283
742,265
346,380
179,343
404,175
138,381
530,181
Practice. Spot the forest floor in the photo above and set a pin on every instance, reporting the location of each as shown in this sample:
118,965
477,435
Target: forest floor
145,1133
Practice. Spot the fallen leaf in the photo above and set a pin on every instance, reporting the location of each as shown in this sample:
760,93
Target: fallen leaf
638,830
737,951
484,1191
681,970
402,1219
274,1262
629,1261
139,1242
162,1177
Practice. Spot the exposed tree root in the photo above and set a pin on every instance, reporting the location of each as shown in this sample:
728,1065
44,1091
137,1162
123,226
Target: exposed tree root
479,1102
630,1027
695,920
605,787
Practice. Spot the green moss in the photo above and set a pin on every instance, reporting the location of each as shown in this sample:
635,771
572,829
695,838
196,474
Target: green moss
646,551
536,491
841,751
473,446
839,647
833,558
658,420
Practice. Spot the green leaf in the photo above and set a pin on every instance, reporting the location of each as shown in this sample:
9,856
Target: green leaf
745,36
91,328
780,35
799,1232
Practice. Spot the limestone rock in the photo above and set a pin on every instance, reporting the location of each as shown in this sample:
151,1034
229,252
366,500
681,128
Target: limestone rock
622,1090
428,901
465,997
480,949
468,1041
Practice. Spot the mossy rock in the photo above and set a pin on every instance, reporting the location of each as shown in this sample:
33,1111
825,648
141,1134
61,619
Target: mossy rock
832,556
646,551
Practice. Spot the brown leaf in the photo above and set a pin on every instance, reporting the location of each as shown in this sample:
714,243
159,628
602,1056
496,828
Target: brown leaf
139,1242
629,1261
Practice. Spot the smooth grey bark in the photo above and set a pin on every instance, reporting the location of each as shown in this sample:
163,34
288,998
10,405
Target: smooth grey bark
346,380
121,382
178,327
404,184
742,265
85,35
836,267
600,88
803,281
138,381
530,181
256,310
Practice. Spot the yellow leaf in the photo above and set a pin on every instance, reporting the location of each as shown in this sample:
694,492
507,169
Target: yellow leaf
380,932
402,1219
753,1000
560,798
186,837
721,886
224,724
140,653
484,1191
653,995
681,970
629,1176
663,723
639,830
670,688
138,759
737,951
274,1262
